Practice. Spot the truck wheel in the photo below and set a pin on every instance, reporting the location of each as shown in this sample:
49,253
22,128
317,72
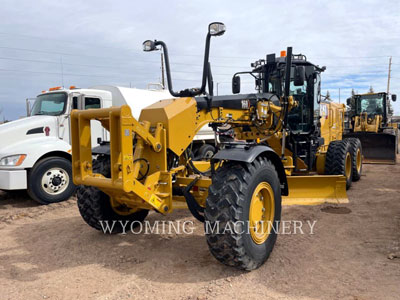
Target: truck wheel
50,180
356,157
95,206
205,152
338,160
242,214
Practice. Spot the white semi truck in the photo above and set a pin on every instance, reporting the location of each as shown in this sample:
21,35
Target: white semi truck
35,152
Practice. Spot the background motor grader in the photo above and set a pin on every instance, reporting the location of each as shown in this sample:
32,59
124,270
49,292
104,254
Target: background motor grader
286,142
371,124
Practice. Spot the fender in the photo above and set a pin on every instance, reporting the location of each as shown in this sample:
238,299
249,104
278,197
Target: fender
104,148
248,154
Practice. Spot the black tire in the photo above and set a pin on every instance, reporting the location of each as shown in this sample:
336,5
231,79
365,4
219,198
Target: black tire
50,180
95,207
228,201
356,154
205,152
336,160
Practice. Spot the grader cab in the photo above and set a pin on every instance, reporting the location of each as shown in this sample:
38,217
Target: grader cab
286,143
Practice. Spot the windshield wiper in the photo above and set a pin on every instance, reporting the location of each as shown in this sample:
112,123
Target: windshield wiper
39,113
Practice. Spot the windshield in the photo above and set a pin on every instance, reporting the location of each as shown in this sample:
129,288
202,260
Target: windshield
301,117
50,104
370,104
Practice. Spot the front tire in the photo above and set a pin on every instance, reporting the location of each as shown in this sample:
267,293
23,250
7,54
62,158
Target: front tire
241,196
95,206
50,180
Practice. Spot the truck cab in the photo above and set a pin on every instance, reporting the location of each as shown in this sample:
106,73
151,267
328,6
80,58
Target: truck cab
35,152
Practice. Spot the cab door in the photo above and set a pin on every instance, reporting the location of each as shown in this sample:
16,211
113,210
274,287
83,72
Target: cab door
84,102
97,131
63,123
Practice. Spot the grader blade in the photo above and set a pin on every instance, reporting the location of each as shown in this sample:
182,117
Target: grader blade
378,148
316,189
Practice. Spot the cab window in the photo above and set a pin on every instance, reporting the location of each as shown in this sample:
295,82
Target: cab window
75,103
300,116
92,103
372,105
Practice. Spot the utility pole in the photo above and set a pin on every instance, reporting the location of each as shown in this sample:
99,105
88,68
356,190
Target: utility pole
339,95
390,70
388,87
162,71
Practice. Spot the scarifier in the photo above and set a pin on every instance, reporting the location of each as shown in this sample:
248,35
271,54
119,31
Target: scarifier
281,142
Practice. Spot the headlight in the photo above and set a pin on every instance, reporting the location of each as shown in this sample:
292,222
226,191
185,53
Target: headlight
12,160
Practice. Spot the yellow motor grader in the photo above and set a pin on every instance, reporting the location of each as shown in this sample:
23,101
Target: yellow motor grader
370,123
285,142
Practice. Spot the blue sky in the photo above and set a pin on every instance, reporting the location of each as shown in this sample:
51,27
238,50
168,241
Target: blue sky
99,42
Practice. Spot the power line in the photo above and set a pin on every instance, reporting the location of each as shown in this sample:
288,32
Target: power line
79,75
177,54
99,57
51,73
116,48
101,66
59,40
112,58
126,68
104,57
352,57
184,72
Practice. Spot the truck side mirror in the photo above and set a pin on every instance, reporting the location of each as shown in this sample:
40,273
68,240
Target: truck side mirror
348,101
299,75
394,97
236,85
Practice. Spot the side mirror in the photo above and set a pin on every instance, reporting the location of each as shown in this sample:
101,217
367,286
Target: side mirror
236,85
394,97
149,46
348,101
216,29
299,75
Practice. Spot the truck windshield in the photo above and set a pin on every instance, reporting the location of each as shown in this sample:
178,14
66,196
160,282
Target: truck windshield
370,104
50,104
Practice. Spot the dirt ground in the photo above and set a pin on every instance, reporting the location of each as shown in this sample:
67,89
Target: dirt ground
48,252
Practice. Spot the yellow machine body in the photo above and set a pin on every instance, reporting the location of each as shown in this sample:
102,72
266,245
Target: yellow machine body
363,123
332,121
170,125
379,137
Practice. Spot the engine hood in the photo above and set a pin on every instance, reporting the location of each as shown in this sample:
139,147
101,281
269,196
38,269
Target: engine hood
22,130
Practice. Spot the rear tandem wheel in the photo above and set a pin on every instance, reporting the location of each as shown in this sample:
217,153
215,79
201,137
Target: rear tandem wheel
338,160
356,157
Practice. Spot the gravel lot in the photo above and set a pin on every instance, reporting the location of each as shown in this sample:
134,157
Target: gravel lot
48,252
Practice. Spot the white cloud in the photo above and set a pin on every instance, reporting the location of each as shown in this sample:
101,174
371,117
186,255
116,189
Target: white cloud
352,38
